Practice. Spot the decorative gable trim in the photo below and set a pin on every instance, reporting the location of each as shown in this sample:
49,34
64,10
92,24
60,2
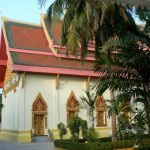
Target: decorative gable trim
39,105
47,34
72,102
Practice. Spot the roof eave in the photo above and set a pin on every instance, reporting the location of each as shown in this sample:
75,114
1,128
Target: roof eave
50,70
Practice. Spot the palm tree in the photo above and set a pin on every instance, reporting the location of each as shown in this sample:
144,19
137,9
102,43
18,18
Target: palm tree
137,3
144,16
89,101
113,116
86,20
92,20
125,63
119,106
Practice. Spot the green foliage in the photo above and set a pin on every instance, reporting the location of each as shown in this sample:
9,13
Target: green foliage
133,126
63,143
74,126
92,136
144,16
139,125
84,129
77,125
62,130
105,139
42,3
72,145
89,101
127,72
86,20
146,147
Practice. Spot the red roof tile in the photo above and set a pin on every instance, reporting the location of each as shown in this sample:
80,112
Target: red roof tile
48,61
56,29
30,48
29,38
2,73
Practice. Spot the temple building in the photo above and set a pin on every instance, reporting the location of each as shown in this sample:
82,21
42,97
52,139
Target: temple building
41,84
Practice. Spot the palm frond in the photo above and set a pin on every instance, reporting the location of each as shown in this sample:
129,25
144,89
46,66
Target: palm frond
42,3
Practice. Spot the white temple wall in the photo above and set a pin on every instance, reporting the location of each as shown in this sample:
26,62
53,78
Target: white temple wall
17,111
56,98
13,110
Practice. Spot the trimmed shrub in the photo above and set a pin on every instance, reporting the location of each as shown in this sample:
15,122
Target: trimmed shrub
105,139
146,147
75,126
63,143
62,130
72,145
92,136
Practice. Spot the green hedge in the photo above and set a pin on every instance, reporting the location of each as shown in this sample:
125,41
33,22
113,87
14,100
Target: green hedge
146,147
63,143
114,145
105,139
71,145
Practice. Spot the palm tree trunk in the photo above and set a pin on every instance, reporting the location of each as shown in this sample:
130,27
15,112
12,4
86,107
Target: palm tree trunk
146,87
113,118
147,114
92,115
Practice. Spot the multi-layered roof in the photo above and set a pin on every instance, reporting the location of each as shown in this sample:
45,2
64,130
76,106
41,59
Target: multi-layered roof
36,49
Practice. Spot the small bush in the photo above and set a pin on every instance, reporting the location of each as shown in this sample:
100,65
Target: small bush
62,130
63,143
92,135
74,126
146,147
84,128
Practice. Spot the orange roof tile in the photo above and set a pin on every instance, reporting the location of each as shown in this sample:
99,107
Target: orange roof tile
29,38
56,29
48,61
28,46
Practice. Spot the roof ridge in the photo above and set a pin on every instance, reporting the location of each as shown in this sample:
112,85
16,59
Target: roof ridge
5,19
50,41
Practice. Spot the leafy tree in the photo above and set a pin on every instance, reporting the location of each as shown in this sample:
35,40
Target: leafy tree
138,125
90,20
84,129
137,3
92,135
144,16
125,63
85,20
75,126
62,130
118,107
89,101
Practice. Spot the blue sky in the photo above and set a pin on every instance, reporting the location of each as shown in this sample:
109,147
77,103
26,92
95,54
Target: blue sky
24,10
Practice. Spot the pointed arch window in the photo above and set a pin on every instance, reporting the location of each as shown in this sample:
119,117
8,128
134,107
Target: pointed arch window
72,106
101,119
39,113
